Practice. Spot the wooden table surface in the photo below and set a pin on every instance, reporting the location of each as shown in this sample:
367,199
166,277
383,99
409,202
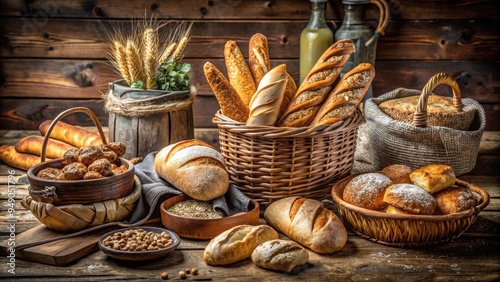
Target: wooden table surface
474,256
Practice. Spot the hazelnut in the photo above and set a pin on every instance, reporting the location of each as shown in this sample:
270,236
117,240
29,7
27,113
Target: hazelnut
164,275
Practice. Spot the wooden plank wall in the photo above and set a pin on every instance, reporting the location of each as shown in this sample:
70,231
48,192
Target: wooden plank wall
53,56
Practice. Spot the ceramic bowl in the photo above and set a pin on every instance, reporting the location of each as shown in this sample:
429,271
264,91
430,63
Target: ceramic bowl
139,255
204,229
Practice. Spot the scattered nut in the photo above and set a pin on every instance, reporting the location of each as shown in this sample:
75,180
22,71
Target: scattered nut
194,271
182,274
164,275
187,270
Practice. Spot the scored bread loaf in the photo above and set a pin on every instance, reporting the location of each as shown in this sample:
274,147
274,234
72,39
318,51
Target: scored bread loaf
265,104
317,85
278,254
237,243
238,73
10,156
193,167
346,96
73,135
290,90
33,144
307,222
258,57
230,102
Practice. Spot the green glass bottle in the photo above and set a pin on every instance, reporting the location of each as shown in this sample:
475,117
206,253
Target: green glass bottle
315,38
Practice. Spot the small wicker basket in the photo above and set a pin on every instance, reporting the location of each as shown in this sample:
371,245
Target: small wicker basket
402,230
269,163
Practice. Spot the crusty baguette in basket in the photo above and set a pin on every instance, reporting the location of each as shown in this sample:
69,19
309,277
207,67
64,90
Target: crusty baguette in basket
238,73
317,85
258,57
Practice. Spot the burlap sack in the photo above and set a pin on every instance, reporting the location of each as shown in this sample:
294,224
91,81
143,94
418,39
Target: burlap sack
387,141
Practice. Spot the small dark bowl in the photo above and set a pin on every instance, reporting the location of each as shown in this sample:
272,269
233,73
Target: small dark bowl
200,228
139,256
66,192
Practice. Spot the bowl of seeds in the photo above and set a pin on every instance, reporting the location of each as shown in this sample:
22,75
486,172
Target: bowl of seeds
139,243
194,219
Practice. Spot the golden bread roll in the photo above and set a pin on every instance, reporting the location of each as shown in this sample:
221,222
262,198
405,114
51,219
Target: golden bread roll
265,103
193,167
307,222
278,254
454,199
230,102
317,85
434,177
237,243
410,198
10,156
73,135
32,144
238,73
398,173
367,190
258,57
344,99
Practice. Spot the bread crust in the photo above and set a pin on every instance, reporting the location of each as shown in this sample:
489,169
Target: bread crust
32,144
301,225
433,177
73,135
454,199
258,57
230,102
237,243
10,156
367,190
238,72
398,173
317,85
410,198
278,254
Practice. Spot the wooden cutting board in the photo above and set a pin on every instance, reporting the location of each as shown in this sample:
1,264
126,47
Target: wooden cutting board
60,252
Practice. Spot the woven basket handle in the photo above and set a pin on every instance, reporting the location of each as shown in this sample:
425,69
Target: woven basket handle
62,115
420,116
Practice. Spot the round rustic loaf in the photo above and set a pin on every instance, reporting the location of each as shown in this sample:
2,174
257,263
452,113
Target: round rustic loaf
367,190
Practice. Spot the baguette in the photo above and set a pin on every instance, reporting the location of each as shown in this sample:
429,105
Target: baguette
238,73
193,167
346,96
290,90
23,161
307,222
32,144
76,136
237,243
258,57
317,85
264,106
230,102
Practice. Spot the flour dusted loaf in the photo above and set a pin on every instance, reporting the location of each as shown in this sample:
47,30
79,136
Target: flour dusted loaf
434,177
193,167
278,254
307,222
237,243
410,198
455,199
367,190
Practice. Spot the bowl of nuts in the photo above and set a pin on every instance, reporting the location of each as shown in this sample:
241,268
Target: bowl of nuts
139,243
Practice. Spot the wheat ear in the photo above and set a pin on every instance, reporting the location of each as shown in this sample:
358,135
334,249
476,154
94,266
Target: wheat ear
120,61
150,51
168,52
134,62
179,51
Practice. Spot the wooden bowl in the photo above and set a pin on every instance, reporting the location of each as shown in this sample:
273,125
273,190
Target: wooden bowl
139,255
66,192
204,229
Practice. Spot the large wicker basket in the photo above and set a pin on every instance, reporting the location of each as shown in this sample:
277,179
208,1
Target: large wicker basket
269,163
403,230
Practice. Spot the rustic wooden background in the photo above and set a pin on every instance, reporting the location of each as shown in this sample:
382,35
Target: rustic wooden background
53,56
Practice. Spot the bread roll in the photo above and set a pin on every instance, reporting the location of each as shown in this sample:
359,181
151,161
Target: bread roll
73,135
237,243
393,210
10,156
265,103
410,198
282,255
346,96
434,177
454,199
32,144
193,167
398,173
367,190
307,222
230,102
317,85
258,57
238,73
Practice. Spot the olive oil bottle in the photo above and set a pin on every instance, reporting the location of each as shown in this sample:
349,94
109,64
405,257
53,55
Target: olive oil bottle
315,38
